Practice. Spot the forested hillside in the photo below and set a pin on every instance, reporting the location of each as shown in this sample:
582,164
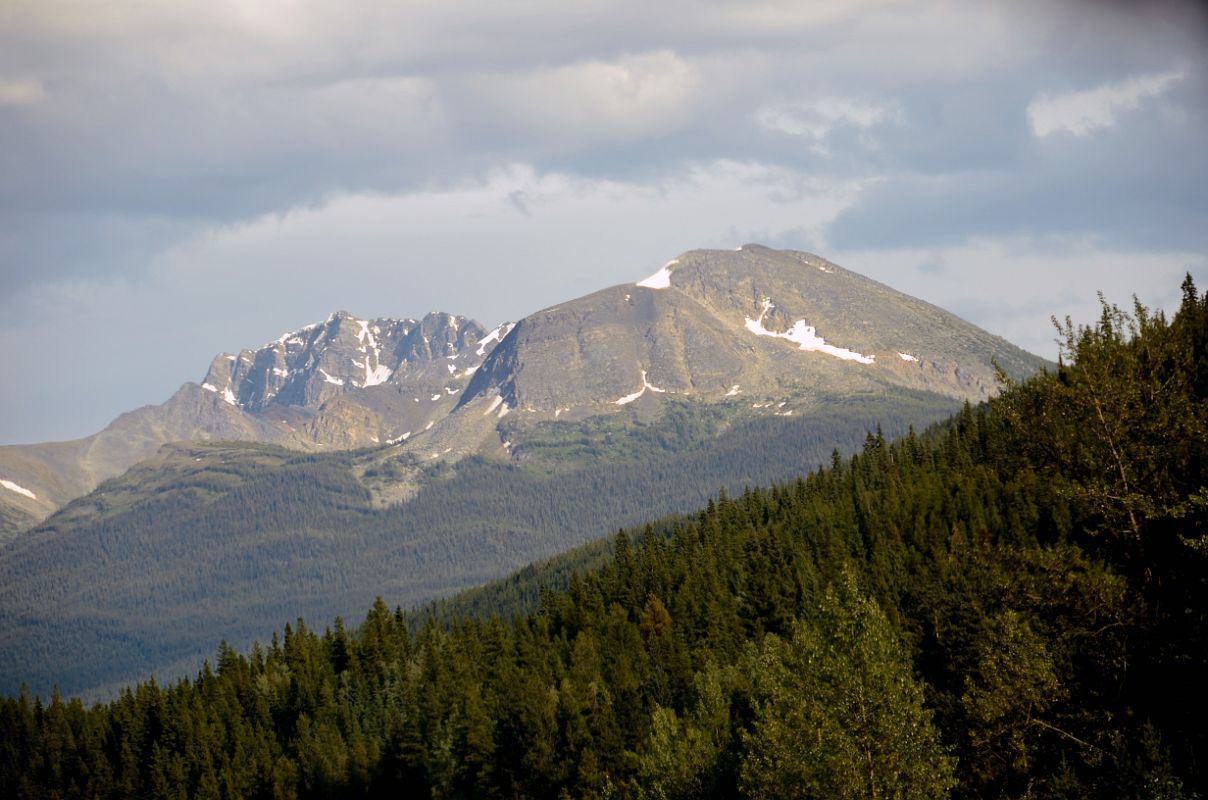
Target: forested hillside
1010,605
227,540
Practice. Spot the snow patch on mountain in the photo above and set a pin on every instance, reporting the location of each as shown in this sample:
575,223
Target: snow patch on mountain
907,357
646,385
660,279
378,374
805,337
18,489
496,335
293,337
365,333
331,379
629,398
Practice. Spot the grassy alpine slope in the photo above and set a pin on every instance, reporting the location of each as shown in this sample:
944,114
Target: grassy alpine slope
1011,605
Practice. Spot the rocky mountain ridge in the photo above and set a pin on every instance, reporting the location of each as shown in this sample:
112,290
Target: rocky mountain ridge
343,383
320,361
769,332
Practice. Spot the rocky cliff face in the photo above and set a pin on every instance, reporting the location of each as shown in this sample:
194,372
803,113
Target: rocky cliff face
310,366
343,383
348,382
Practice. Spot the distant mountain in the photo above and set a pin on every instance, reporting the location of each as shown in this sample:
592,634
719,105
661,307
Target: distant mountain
775,333
410,458
343,382
755,323
775,328
390,371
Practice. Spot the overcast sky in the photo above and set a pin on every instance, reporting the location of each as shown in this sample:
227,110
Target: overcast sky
184,177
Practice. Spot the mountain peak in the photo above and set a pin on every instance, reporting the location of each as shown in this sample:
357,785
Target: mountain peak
310,365
776,323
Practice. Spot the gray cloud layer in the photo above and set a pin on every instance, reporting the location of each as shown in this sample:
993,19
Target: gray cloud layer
234,169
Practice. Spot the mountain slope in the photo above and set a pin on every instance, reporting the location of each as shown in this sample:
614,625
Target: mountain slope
60,471
634,401
217,541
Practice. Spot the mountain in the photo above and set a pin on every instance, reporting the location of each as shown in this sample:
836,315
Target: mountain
756,323
411,459
770,333
761,325
353,383
343,382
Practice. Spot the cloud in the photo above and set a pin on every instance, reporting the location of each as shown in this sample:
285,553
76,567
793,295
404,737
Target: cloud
587,102
1013,286
245,166
484,247
20,93
1085,112
222,111
465,249
816,121
1136,185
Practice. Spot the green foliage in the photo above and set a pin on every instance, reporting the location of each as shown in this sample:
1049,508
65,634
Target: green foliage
691,757
838,712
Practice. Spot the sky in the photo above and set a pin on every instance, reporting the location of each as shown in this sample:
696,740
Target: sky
180,178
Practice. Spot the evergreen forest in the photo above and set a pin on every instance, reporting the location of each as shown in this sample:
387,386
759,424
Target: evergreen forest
112,589
1008,605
